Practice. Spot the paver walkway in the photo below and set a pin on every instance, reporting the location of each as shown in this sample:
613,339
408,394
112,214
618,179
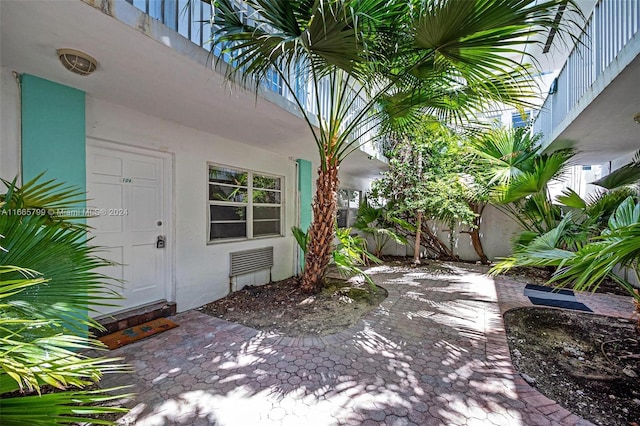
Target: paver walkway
434,353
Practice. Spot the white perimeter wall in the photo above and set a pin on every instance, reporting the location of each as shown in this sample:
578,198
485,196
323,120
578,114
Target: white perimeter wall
201,271
617,163
608,168
496,232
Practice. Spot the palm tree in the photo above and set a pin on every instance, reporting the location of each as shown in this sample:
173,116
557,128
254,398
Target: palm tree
517,175
360,58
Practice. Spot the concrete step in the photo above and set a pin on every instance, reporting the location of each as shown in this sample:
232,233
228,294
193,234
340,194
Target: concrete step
132,317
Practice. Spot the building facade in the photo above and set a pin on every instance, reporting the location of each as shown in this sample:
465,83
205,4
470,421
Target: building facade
181,170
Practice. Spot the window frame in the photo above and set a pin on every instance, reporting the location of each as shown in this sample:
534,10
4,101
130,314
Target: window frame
349,210
249,205
518,122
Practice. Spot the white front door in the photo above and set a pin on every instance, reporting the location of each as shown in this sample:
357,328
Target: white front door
127,192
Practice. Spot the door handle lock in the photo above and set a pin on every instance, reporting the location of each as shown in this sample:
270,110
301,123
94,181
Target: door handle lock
160,242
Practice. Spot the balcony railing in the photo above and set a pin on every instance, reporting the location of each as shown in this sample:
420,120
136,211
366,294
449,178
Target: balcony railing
611,26
192,19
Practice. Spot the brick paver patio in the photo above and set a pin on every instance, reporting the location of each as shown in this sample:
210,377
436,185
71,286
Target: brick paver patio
433,353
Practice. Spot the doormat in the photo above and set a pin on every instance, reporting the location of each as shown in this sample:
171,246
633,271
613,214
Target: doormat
547,296
138,332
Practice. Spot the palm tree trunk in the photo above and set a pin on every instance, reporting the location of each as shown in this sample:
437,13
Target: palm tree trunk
322,230
416,246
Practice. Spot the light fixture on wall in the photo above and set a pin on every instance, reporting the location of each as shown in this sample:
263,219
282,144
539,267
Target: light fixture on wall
76,61
636,118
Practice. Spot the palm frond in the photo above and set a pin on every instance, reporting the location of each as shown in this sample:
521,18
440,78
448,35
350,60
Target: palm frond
627,214
625,175
537,250
302,238
571,198
47,281
61,408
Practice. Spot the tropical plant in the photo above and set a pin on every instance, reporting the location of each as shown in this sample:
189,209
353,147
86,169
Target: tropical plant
302,238
398,58
583,219
518,175
351,253
47,281
348,255
625,175
425,182
616,249
379,225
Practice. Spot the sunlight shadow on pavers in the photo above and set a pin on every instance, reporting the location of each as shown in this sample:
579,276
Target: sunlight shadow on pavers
424,357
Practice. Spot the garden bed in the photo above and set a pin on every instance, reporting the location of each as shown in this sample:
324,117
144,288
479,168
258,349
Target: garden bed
587,363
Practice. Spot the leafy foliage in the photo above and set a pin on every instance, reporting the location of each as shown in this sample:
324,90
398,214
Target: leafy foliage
425,174
618,246
379,61
626,175
598,238
379,224
348,255
517,175
351,253
43,314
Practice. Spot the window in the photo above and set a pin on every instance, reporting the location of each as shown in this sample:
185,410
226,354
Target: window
243,204
348,203
273,81
517,120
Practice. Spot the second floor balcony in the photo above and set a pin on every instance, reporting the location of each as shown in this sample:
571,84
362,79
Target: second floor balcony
593,101
192,20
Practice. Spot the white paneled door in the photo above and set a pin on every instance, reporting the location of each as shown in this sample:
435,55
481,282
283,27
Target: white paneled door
127,193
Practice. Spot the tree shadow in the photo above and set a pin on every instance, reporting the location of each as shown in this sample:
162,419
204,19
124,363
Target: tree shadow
434,352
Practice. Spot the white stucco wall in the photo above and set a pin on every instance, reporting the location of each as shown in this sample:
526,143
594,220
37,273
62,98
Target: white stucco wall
9,125
611,167
496,232
617,163
201,271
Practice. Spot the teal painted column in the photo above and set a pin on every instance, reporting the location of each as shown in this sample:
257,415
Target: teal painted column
53,132
305,189
54,135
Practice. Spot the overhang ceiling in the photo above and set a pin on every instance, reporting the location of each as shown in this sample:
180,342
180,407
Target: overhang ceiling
606,130
164,75
153,71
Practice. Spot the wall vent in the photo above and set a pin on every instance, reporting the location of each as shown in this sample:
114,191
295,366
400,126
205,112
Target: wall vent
247,261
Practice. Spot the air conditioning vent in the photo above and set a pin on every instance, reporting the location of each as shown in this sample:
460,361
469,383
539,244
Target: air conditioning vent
248,261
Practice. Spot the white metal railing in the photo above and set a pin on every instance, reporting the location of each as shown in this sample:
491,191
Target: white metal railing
192,19
611,26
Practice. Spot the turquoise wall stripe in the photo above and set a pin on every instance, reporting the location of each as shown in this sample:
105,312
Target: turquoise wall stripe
54,135
53,132
305,189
